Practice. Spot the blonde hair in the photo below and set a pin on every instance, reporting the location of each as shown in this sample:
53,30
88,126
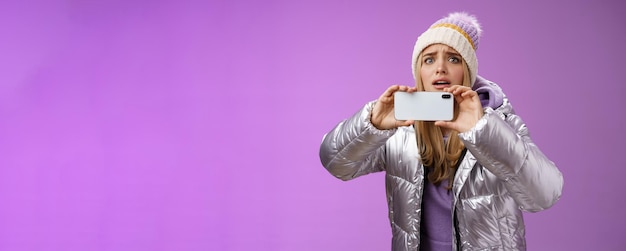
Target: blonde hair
441,157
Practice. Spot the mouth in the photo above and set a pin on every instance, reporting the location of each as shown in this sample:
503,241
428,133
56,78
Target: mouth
440,84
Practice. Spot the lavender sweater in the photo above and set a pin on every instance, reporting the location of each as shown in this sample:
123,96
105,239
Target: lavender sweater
435,229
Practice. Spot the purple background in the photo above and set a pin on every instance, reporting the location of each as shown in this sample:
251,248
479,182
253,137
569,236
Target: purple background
195,125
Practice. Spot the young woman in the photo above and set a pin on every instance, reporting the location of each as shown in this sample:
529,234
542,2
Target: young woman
459,184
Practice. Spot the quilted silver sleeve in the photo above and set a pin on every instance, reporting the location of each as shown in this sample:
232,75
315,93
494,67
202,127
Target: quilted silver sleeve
354,147
502,145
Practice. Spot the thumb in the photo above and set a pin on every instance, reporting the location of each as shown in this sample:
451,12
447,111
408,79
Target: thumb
404,122
445,124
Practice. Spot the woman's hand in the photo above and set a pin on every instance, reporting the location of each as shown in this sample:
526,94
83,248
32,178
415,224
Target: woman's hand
383,113
470,109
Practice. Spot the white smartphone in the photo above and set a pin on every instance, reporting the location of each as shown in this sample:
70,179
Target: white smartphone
424,106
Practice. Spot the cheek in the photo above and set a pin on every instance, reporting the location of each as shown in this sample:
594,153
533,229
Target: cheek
457,75
425,80
425,72
422,72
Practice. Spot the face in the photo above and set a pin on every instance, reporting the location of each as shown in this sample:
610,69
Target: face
441,67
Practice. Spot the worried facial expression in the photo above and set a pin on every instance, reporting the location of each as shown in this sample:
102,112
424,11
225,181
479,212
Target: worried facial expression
441,67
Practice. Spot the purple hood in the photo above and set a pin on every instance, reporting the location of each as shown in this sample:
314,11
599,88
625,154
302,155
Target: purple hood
490,94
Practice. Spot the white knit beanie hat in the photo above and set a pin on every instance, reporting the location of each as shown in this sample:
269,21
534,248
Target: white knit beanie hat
458,30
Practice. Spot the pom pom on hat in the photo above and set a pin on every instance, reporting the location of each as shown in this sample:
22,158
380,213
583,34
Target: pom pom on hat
468,23
458,30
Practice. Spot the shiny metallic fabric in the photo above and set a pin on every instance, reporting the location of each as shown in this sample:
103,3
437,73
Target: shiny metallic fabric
502,174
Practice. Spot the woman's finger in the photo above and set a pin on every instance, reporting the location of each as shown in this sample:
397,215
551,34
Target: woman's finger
446,124
400,123
469,93
389,92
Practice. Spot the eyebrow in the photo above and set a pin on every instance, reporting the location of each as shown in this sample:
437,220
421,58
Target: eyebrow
449,53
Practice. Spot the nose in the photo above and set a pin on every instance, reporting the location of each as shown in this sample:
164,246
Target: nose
441,68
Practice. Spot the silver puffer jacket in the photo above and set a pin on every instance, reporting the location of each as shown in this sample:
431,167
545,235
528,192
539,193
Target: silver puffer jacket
502,174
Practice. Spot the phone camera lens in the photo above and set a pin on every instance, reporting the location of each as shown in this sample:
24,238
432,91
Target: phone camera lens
445,96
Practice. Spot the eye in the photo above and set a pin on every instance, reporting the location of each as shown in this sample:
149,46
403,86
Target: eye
429,60
454,60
